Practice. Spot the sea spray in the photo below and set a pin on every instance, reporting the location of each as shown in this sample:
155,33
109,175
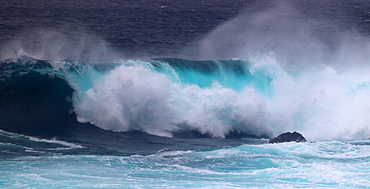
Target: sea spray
135,96
307,102
64,43
157,98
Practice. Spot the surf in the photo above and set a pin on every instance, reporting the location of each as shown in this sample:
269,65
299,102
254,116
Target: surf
168,96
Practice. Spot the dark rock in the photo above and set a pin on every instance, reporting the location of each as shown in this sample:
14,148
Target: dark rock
288,137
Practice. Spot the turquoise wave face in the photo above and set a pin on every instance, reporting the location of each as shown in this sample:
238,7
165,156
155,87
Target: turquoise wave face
233,74
308,165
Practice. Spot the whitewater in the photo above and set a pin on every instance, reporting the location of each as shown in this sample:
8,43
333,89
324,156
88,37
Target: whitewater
292,165
76,112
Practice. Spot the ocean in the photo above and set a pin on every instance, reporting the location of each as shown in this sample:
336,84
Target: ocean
184,94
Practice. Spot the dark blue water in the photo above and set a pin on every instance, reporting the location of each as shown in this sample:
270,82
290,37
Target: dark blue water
169,94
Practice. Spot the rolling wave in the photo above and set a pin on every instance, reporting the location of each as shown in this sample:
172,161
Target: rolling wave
169,96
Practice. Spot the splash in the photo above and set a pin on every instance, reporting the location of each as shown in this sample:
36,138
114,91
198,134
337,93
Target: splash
164,96
139,96
319,68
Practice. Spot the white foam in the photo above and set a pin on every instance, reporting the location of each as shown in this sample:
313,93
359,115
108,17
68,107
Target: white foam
322,105
135,97
321,82
55,141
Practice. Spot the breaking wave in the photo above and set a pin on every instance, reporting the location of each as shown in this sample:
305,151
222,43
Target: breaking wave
167,96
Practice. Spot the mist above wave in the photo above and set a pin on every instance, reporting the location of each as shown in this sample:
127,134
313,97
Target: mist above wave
298,37
65,43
